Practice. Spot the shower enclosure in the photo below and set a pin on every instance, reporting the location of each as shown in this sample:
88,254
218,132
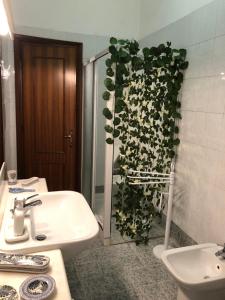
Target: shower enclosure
99,174
97,156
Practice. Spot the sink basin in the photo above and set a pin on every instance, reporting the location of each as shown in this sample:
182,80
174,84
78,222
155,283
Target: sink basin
64,219
196,269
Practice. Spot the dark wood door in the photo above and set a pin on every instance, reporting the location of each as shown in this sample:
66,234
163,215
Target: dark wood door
50,104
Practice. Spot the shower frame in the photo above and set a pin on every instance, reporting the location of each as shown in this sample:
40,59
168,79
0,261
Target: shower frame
108,165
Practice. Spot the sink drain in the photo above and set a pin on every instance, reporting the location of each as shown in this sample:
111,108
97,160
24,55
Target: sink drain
206,277
40,237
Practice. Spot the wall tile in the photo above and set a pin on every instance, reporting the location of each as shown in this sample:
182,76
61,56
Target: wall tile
193,29
202,23
218,61
220,18
200,60
219,174
216,101
197,96
213,130
195,171
192,127
199,197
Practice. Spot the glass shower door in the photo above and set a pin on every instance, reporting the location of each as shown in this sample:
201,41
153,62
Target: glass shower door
98,171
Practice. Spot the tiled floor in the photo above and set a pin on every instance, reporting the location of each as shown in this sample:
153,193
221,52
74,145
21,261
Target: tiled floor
119,272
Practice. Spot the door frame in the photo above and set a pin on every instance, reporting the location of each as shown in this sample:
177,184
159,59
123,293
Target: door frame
18,40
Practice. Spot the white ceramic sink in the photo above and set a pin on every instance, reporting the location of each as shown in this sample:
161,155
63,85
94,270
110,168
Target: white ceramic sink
64,218
196,267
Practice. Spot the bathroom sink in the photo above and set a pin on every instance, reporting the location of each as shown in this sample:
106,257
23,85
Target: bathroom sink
64,220
196,267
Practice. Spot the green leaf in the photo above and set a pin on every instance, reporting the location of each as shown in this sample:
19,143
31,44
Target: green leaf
154,51
124,59
109,141
112,49
134,47
116,121
183,53
108,128
108,62
122,42
180,77
171,153
137,63
176,129
118,109
122,53
110,72
184,65
116,133
106,95
146,52
118,91
178,104
161,47
176,142
107,113
113,41
109,84
177,115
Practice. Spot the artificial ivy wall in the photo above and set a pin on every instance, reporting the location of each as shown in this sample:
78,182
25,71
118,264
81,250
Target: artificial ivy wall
145,84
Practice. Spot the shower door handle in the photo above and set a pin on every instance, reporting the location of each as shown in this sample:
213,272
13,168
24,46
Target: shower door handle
70,138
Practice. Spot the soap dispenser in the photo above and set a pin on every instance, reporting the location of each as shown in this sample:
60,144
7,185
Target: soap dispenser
19,217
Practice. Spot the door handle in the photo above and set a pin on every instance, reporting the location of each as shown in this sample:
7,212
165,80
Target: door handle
69,137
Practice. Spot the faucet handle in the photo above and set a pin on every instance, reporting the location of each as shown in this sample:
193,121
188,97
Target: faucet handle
32,196
33,203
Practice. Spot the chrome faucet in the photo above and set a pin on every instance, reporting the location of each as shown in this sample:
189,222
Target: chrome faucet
221,253
21,206
24,204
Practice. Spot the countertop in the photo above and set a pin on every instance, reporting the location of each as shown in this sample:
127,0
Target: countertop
56,270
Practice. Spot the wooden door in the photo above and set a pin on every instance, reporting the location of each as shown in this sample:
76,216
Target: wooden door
48,85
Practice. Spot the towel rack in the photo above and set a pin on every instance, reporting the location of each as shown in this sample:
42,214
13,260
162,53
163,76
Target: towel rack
160,178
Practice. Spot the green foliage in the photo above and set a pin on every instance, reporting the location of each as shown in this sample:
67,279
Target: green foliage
109,84
109,141
107,113
146,86
108,62
108,129
106,95
110,72
113,41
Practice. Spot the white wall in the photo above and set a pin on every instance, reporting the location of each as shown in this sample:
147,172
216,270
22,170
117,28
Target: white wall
199,204
98,17
158,14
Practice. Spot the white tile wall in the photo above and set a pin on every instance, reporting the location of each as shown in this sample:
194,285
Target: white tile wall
199,202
